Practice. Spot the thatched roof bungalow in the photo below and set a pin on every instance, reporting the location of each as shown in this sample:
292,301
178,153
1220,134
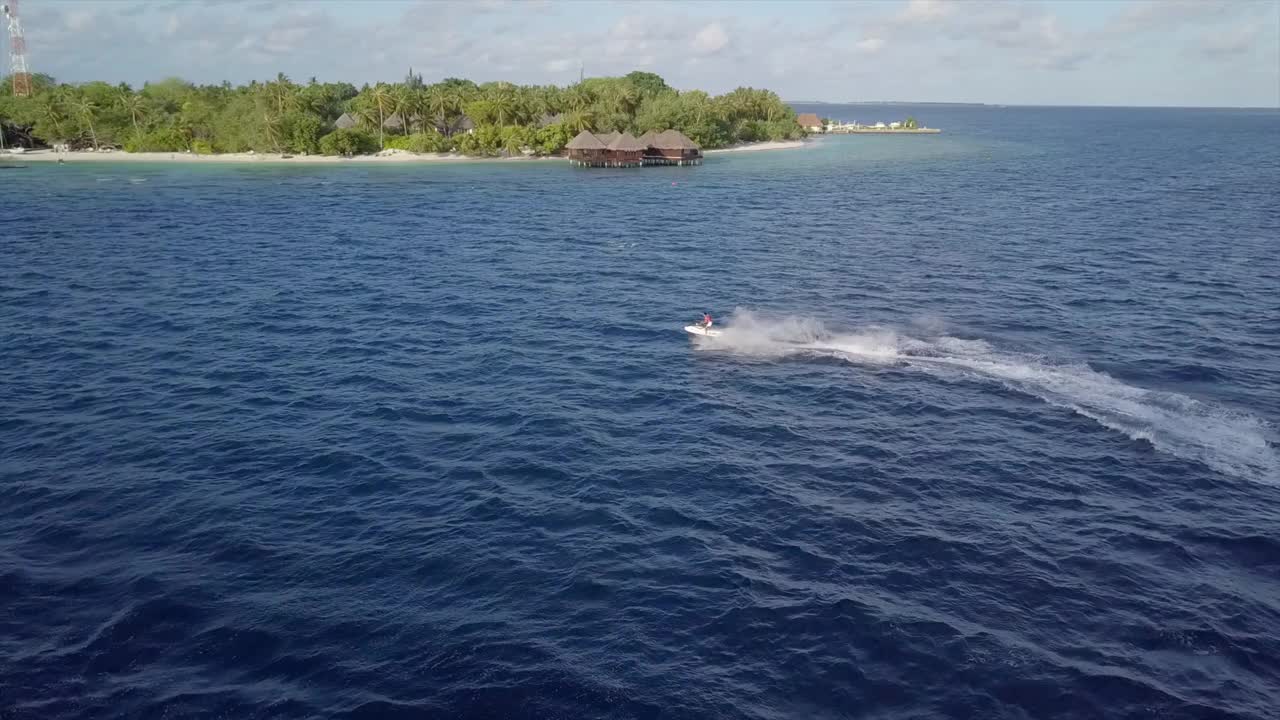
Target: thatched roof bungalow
585,140
674,146
670,147
626,142
453,126
626,150
809,121
345,122
586,149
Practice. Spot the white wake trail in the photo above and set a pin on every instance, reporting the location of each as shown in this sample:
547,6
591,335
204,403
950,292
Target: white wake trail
1229,441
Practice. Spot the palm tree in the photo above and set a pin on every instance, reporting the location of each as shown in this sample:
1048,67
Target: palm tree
439,103
85,108
545,100
421,108
51,110
133,104
412,106
506,106
513,144
625,99
445,105
380,100
578,120
505,109
699,102
283,94
401,100
579,98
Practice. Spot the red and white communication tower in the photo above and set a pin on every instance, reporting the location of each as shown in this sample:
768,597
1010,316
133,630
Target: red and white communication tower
17,52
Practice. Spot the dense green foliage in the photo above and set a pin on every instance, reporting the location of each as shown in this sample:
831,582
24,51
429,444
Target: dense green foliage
351,141
430,141
453,115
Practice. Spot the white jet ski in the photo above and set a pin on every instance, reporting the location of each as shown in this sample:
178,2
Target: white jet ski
702,331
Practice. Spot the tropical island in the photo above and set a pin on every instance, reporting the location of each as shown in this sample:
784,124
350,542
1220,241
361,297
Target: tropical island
453,116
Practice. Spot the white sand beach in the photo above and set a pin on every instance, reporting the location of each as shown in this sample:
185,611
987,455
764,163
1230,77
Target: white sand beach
758,146
386,156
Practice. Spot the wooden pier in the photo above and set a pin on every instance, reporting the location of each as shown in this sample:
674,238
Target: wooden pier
659,160
882,131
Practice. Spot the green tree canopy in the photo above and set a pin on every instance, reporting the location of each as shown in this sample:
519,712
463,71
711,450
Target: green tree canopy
280,115
647,82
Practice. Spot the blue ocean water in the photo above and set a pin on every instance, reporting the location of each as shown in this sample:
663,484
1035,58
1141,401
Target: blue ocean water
991,432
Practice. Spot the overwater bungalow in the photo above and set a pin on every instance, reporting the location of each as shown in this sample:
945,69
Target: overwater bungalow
626,151
670,147
587,150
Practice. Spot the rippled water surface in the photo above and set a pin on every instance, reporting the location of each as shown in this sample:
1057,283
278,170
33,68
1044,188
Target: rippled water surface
991,433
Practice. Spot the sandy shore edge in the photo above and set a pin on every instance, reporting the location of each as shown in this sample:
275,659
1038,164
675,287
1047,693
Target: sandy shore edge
250,158
758,146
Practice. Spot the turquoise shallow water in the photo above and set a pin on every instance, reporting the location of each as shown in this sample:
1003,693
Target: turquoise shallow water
991,432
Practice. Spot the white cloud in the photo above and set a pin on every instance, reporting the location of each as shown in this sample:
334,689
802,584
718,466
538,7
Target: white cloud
1143,15
870,46
79,20
985,50
1237,40
1025,35
711,39
925,11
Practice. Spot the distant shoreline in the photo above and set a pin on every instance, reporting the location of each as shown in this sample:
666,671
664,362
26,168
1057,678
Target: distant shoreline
884,131
390,158
889,102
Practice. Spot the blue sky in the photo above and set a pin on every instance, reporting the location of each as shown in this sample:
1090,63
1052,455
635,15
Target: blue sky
1076,52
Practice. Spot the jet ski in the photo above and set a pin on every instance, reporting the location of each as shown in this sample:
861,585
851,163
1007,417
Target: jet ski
700,331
